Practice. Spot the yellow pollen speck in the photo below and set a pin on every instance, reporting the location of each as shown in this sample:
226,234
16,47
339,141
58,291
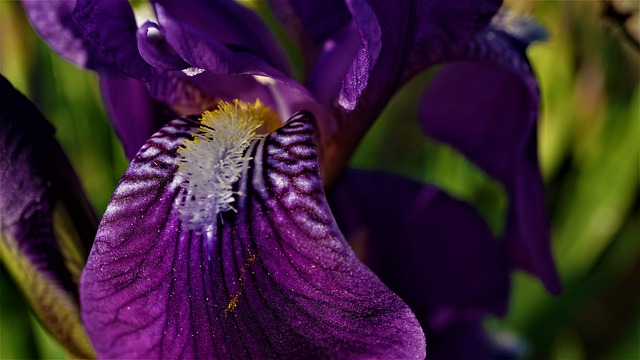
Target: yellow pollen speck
233,303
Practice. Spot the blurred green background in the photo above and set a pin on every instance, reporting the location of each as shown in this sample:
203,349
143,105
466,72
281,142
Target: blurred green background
589,148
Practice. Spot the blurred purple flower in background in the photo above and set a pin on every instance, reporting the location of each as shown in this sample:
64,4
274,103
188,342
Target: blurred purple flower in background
219,240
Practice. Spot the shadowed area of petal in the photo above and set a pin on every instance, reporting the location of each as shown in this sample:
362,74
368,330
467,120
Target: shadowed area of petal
46,223
463,341
110,26
486,106
201,50
328,39
275,279
311,23
232,24
445,28
54,23
435,252
134,114
155,50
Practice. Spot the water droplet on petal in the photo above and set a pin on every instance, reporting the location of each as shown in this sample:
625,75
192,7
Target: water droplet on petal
193,71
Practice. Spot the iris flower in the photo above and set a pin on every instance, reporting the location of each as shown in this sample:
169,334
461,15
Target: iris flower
219,240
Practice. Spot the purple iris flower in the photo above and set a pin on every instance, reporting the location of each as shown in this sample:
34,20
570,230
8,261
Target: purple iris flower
219,240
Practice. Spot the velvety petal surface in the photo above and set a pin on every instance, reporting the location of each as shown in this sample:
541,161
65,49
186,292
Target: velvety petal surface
46,223
328,39
111,27
407,37
374,74
486,106
231,24
436,252
275,279
311,23
54,23
155,50
445,27
201,50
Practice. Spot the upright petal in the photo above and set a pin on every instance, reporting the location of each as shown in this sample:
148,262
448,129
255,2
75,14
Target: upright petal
445,28
328,38
46,222
486,106
155,50
202,50
374,74
111,27
275,279
52,20
311,23
232,24
392,40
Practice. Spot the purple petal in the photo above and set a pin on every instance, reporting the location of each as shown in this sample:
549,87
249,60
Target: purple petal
464,341
357,76
486,106
341,51
155,50
134,114
328,40
435,252
203,51
326,77
445,27
312,22
276,279
375,74
46,223
111,28
53,22
229,23
393,36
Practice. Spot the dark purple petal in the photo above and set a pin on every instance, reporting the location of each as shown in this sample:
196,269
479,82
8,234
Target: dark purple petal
312,22
327,38
463,341
111,28
155,50
231,24
445,27
203,51
275,279
54,23
486,106
326,77
46,223
435,252
386,34
366,57
134,114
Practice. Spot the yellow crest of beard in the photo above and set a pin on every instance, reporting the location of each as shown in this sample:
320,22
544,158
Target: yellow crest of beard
211,162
